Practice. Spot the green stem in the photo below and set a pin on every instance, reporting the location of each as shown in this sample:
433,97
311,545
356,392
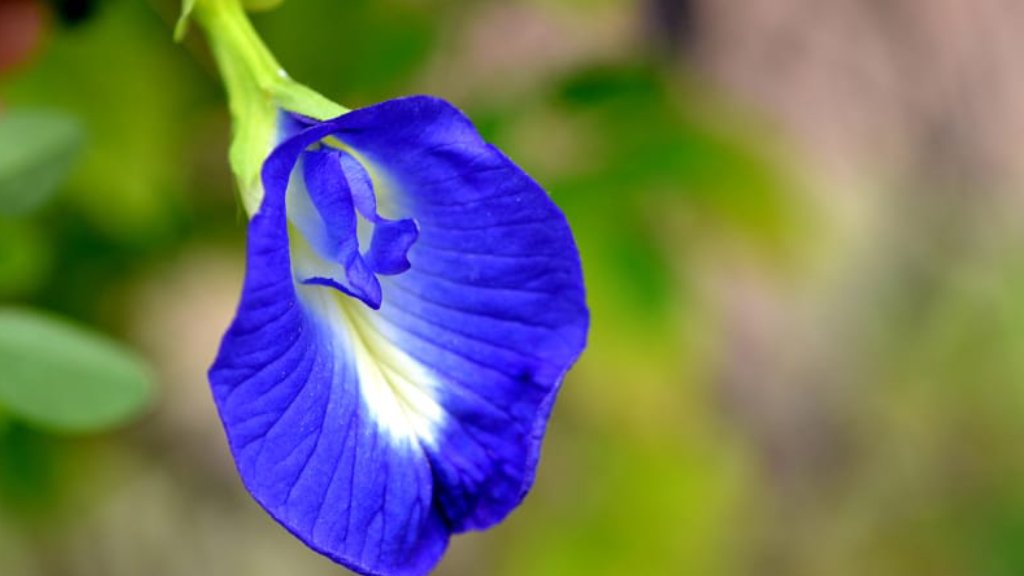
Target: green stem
248,69
236,45
257,90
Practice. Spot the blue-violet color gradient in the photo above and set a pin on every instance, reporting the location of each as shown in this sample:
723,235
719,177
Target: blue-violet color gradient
412,301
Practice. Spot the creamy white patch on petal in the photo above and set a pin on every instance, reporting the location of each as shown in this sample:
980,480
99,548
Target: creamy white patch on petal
399,392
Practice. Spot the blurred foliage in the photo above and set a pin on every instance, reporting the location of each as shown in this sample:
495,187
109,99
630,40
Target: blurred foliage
364,50
36,150
64,378
130,89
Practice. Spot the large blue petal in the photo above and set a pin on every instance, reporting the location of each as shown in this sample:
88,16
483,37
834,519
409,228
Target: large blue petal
493,302
372,435
287,388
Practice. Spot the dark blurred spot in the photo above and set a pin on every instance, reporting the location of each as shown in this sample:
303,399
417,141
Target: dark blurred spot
28,478
672,25
74,11
603,84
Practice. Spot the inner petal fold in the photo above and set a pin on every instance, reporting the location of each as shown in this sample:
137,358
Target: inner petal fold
327,194
391,238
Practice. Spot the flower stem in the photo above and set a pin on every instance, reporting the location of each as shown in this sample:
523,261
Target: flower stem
235,43
257,90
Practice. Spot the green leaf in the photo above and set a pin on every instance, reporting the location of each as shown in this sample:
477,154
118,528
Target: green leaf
37,148
181,28
65,378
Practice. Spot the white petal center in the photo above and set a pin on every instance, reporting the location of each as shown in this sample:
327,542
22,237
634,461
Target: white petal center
398,391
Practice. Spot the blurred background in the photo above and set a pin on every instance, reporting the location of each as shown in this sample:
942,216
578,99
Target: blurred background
800,222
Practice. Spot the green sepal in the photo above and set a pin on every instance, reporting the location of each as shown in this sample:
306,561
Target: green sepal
258,90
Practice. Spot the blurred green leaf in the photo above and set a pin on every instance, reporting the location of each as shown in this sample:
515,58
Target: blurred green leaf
36,149
64,378
136,95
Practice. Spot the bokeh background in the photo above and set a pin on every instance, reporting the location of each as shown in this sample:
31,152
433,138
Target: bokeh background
800,222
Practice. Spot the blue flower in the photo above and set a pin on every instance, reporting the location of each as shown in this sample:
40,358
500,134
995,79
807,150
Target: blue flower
411,304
